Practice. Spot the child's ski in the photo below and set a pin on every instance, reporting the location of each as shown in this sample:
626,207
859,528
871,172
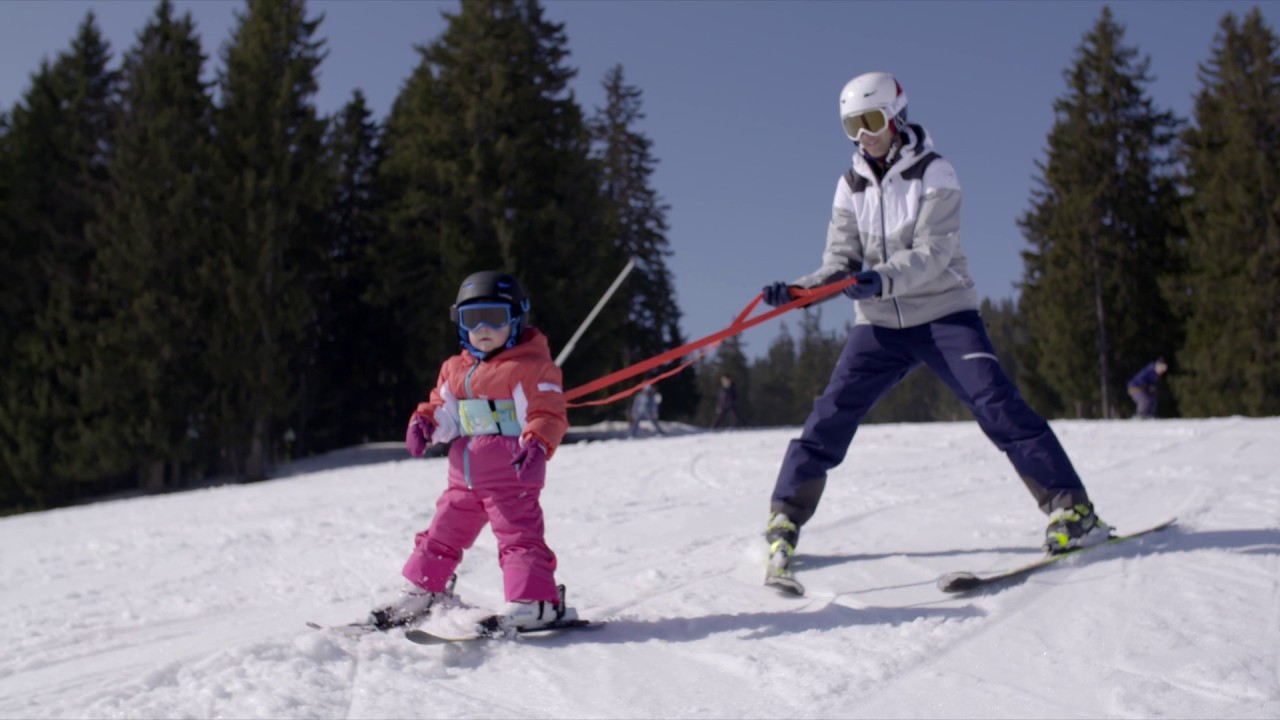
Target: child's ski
356,629
423,637
350,629
963,582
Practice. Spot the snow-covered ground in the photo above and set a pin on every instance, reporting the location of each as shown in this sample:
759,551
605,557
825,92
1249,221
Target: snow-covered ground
193,605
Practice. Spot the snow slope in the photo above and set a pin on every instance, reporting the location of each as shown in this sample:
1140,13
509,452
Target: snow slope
192,605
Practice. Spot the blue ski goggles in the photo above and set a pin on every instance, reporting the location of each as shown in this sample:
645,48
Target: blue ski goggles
491,315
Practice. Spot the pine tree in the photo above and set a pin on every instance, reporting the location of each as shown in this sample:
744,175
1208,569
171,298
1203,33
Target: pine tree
270,140
1230,363
12,492
494,154
410,287
144,391
356,378
56,155
772,390
1101,229
12,264
638,225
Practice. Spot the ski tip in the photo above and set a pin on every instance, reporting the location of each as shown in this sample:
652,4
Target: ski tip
958,582
423,637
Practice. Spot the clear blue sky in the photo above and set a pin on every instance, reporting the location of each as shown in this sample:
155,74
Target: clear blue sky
741,104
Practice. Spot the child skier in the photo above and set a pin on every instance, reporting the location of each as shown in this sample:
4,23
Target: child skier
500,406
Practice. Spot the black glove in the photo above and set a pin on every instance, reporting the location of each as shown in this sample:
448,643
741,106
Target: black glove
868,285
777,294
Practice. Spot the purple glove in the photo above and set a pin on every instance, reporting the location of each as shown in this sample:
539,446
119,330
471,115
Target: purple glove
531,462
417,435
869,284
776,294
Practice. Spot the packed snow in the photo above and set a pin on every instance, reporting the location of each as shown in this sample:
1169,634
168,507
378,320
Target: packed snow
192,605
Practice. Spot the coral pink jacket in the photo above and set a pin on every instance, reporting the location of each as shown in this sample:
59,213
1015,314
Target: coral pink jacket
524,374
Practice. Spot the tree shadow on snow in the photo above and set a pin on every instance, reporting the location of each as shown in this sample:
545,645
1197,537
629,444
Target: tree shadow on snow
1259,541
769,624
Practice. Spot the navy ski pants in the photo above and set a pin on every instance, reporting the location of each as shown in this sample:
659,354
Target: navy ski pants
956,349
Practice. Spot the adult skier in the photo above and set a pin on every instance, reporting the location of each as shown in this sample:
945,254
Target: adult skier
895,227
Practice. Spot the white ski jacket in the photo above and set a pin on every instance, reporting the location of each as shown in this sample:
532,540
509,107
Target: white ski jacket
905,227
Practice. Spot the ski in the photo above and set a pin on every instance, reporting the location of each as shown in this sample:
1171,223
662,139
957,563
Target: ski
963,582
424,637
350,629
356,629
784,581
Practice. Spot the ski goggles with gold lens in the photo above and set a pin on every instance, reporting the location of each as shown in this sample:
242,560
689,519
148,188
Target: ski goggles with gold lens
872,122
477,315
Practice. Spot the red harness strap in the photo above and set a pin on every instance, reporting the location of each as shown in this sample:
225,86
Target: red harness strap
802,298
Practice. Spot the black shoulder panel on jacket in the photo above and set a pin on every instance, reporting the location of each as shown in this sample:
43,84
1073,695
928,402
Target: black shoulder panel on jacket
916,172
856,182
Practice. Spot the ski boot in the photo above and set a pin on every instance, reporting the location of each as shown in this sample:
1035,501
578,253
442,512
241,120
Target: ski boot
526,615
1074,527
782,535
413,605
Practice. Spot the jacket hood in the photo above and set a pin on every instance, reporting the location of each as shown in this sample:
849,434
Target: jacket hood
916,144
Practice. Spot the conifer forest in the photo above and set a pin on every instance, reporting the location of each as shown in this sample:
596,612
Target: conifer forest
206,279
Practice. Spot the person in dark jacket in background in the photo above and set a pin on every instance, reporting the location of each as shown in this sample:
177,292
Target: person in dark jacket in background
727,403
1144,386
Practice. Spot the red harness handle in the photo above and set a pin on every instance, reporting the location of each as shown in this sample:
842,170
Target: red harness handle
802,298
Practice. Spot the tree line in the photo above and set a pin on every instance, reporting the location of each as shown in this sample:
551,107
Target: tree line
205,279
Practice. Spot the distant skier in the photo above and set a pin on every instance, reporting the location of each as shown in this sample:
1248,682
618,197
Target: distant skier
726,403
645,407
1144,387
895,227
500,406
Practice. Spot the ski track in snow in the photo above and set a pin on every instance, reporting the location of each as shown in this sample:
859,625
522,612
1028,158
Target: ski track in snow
192,604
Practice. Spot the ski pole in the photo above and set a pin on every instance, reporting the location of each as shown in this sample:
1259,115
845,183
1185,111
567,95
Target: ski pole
568,347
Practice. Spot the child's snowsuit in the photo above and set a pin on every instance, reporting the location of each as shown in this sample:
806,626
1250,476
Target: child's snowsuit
526,404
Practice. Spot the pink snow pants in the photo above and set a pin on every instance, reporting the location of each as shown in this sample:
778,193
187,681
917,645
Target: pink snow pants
498,497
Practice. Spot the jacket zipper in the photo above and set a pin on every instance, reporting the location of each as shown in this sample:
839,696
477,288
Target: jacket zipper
884,241
466,449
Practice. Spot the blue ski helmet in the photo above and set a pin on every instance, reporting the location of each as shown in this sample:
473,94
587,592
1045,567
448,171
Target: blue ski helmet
490,286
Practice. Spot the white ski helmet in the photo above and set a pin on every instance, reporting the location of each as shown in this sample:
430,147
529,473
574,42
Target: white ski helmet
866,94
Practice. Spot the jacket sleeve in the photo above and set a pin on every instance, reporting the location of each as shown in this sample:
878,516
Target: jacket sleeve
843,253
541,393
937,234
442,409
